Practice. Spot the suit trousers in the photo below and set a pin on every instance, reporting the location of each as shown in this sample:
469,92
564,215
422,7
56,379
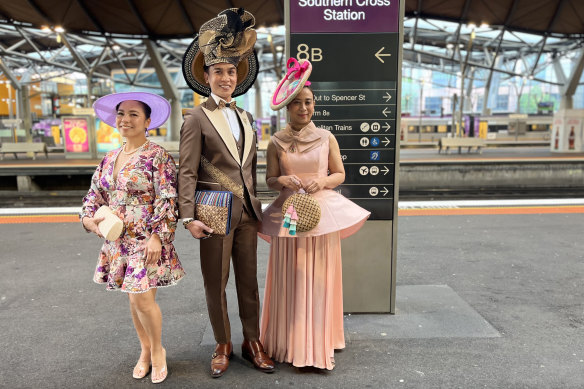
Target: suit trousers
216,251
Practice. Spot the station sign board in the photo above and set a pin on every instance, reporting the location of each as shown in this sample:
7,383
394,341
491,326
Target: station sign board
353,46
355,50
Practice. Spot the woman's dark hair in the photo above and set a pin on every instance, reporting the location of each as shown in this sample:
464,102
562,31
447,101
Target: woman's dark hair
145,107
310,89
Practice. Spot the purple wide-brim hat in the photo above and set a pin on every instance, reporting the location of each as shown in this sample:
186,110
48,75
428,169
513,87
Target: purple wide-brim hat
105,107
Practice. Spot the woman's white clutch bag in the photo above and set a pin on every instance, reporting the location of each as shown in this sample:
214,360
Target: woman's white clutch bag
112,226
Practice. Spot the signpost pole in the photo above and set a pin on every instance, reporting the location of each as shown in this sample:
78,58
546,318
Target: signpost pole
355,50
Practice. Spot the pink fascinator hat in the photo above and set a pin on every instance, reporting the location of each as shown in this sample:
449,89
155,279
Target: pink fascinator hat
295,79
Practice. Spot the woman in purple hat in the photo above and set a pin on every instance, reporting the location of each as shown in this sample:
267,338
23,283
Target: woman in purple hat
138,183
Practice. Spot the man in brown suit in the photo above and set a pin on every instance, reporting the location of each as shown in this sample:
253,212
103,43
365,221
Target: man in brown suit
223,134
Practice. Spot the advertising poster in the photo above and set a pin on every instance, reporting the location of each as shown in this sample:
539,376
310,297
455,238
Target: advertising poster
56,133
107,138
76,135
573,130
556,132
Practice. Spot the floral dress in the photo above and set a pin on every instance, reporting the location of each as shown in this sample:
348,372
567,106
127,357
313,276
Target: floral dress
144,197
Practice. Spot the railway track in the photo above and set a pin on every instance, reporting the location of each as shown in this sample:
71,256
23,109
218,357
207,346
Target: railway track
14,199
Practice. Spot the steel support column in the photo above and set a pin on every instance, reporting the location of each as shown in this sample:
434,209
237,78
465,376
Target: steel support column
170,90
571,83
22,100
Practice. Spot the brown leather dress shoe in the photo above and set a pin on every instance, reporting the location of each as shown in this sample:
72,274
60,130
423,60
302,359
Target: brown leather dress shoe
220,359
253,351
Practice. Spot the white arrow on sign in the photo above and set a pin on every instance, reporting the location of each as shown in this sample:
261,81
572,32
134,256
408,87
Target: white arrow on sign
385,170
384,191
387,97
379,55
386,142
386,127
384,111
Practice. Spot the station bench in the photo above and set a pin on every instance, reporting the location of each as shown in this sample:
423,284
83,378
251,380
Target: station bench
23,147
447,143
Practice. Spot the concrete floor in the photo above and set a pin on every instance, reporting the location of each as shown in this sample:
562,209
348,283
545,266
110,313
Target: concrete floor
493,301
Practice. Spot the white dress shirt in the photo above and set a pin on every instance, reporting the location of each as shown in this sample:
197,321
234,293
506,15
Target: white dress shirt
231,117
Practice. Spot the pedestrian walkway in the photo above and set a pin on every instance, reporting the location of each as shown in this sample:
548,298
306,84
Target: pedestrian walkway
490,299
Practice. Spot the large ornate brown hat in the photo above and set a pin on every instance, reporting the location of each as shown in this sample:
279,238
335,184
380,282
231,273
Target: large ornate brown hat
229,38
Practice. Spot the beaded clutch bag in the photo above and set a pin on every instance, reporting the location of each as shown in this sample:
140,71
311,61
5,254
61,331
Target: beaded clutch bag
301,213
213,208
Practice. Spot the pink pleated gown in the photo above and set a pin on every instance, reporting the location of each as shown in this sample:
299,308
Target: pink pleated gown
302,311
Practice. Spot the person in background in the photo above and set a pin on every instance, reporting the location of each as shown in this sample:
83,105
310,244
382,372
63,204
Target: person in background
138,183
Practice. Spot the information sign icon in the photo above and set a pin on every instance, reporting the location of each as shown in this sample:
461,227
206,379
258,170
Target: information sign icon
364,127
374,170
364,142
373,191
375,127
374,155
375,142
364,170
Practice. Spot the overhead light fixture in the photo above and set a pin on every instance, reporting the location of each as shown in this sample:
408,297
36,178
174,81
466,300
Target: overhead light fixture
279,48
471,25
484,25
45,28
59,29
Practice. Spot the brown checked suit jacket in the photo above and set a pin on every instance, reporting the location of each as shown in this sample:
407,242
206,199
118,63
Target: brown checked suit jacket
205,131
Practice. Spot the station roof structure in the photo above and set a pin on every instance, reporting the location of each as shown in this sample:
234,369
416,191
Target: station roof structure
150,18
518,38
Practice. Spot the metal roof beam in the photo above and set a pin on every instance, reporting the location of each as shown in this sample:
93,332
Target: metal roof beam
476,64
82,62
169,88
9,75
41,13
572,82
140,18
91,16
186,17
119,61
29,41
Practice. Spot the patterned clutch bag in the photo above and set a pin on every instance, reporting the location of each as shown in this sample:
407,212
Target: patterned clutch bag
213,208
301,213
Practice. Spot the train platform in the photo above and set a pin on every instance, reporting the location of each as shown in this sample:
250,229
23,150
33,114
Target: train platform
423,173
489,294
56,163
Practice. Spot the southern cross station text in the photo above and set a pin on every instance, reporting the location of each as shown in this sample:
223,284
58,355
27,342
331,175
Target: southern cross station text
345,14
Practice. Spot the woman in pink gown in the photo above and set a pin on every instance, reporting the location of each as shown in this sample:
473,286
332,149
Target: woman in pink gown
302,311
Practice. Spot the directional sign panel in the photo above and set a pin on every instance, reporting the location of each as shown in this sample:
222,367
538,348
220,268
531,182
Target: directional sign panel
354,50
355,141
349,57
370,173
354,47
